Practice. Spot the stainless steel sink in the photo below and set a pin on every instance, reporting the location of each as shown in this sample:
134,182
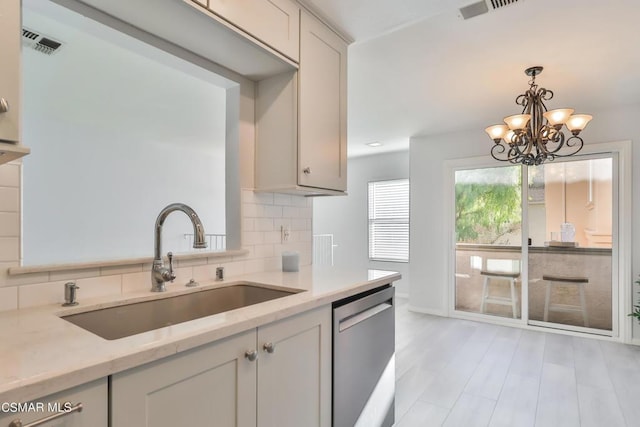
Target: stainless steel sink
125,320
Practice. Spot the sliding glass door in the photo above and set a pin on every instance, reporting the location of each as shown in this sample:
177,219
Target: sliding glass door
570,208
488,233
563,265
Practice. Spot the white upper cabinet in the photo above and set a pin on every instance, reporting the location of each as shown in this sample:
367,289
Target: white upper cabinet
274,22
322,121
10,33
301,119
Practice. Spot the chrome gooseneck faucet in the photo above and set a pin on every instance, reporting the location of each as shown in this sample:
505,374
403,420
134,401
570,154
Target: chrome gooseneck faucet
159,273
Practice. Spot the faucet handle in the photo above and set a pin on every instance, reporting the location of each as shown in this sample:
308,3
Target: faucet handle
171,275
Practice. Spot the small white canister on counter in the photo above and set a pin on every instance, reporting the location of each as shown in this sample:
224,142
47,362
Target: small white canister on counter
568,232
290,261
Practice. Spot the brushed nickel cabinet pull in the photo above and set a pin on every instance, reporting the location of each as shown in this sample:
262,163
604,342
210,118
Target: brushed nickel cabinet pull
75,408
4,105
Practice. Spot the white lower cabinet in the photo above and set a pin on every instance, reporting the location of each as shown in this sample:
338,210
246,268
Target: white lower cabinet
294,380
288,384
63,408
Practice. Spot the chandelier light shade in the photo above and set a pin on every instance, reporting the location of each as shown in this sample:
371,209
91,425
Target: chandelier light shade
536,135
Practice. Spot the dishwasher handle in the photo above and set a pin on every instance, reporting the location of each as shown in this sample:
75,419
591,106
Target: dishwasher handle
354,319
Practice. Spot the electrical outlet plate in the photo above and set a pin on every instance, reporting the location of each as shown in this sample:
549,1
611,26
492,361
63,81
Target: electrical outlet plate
285,233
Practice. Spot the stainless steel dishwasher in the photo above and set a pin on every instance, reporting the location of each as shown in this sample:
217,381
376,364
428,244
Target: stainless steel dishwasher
364,359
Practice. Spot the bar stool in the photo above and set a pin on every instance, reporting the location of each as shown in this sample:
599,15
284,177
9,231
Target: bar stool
511,277
580,282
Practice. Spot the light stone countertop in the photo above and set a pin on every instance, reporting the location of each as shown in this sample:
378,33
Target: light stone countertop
40,353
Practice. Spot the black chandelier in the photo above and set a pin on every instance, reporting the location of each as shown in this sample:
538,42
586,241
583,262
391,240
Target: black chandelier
535,136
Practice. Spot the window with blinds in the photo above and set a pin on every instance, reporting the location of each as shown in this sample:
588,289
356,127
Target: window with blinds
389,220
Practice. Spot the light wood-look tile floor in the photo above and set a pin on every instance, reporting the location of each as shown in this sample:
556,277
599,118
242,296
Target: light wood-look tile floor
459,373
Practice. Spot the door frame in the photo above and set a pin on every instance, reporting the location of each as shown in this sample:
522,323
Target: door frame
621,255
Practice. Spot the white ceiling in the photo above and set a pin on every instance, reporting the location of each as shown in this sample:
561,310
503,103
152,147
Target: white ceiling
417,68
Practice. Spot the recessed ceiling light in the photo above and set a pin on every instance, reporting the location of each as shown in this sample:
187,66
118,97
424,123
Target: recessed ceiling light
374,144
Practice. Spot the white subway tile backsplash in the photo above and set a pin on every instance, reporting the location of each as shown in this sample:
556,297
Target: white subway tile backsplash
233,268
263,198
252,210
204,272
41,294
272,237
183,276
263,251
9,224
305,212
99,286
10,175
248,224
247,196
263,216
55,276
282,199
9,249
264,224
136,282
298,224
21,279
253,265
219,260
301,201
272,211
290,212
110,271
253,238
8,298
9,199
263,264
193,262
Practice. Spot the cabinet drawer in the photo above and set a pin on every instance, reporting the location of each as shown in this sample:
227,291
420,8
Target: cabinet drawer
274,22
93,397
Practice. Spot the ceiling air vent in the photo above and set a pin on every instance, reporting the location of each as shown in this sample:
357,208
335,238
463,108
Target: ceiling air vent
37,41
484,6
497,4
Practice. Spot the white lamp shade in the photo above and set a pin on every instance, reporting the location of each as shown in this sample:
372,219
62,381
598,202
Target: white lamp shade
559,116
518,121
577,122
508,138
497,132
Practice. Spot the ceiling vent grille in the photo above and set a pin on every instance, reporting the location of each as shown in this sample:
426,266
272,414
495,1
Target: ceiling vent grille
484,6
37,41
497,4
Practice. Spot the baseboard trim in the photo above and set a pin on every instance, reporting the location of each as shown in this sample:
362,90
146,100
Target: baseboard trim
431,311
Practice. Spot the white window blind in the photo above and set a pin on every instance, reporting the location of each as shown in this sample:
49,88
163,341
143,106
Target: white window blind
389,220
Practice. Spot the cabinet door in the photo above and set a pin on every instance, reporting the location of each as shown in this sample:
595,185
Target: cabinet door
213,385
274,22
294,380
10,33
93,397
322,149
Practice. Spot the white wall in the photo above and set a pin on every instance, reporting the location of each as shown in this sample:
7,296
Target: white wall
346,216
429,238
116,125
